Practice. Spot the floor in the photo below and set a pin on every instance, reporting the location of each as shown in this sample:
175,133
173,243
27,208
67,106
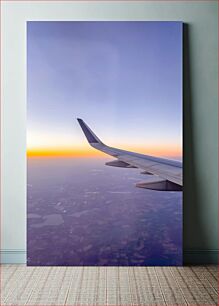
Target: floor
23,285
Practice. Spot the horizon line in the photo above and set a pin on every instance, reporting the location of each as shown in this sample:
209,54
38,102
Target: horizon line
75,153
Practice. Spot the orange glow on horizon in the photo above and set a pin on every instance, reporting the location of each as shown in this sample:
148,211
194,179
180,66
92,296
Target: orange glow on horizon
170,151
67,153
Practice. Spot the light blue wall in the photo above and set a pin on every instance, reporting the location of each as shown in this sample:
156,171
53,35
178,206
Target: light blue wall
200,111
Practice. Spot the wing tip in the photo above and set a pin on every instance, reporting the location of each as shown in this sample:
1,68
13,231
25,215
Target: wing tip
89,134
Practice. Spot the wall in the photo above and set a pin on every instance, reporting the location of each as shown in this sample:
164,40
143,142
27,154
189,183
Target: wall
200,111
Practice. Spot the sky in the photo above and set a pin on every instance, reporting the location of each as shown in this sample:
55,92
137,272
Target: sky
124,79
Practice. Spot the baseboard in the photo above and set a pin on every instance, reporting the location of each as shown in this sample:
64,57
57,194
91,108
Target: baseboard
193,257
13,256
200,257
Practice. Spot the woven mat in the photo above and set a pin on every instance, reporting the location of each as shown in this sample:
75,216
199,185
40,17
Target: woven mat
124,286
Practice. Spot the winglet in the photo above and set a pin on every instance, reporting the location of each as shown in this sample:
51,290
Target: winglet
91,137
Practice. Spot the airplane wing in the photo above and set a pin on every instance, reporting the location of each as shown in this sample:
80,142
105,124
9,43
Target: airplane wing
162,174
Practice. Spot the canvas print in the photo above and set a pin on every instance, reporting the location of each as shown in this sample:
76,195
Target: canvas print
104,143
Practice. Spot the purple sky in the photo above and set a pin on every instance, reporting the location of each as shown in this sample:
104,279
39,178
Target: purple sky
123,78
